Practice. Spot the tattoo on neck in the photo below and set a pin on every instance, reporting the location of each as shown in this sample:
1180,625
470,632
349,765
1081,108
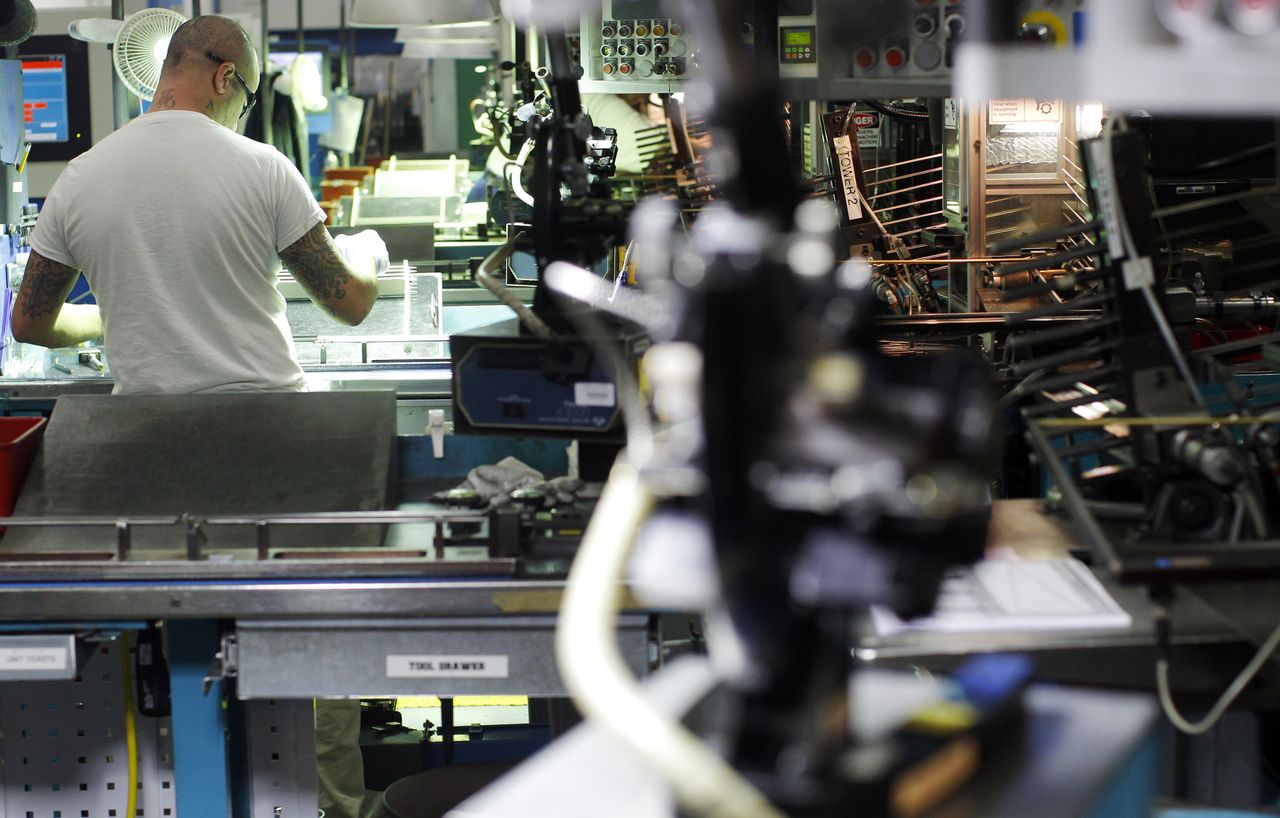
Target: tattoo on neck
165,99
208,106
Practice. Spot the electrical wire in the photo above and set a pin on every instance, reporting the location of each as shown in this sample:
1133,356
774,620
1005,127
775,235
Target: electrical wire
130,725
601,684
897,112
1224,701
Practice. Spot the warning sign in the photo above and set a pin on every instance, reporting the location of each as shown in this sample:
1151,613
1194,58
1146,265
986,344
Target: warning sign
868,129
1002,111
1007,111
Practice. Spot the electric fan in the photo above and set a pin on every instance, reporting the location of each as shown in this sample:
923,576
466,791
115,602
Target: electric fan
139,42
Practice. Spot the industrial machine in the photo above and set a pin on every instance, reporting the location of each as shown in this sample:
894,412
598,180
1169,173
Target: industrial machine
875,282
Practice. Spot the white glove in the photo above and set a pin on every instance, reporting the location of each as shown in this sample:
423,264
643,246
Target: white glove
364,251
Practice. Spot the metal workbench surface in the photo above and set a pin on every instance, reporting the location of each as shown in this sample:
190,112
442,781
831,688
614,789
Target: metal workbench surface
408,380
276,599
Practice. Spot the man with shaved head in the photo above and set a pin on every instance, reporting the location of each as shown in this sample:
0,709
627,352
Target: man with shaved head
180,225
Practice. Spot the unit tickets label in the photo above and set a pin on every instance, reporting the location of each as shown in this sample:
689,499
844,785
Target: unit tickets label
21,659
594,394
447,667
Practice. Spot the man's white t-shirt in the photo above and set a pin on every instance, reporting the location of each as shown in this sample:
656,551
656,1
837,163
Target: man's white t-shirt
177,223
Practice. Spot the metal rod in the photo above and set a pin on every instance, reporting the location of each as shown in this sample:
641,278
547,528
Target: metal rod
1053,286
879,168
1042,409
1204,204
913,218
904,190
344,49
124,540
264,540
302,33
893,179
917,230
1072,499
1054,260
1093,447
912,203
265,91
875,261
1073,379
195,8
1067,356
1051,234
1085,302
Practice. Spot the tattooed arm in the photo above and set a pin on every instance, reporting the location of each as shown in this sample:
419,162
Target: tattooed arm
40,312
339,289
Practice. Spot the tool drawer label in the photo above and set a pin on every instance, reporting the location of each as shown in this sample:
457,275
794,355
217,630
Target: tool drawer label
594,394
447,667
12,659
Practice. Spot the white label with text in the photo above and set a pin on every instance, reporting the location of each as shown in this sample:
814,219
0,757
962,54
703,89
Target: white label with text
594,394
33,659
447,667
848,177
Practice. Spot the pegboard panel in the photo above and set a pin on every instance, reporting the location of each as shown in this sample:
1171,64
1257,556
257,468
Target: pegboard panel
282,755
63,748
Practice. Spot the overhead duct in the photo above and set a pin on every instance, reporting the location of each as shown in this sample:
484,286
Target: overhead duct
400,13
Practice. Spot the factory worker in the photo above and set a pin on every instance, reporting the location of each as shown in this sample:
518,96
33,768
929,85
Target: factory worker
180,225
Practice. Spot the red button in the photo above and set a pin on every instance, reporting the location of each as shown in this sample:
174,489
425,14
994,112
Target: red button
895,57
865,58
625,68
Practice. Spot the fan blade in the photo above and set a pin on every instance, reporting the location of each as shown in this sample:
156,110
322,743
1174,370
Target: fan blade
95,30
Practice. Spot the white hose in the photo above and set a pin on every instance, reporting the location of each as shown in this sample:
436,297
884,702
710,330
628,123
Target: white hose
600,682
1230,695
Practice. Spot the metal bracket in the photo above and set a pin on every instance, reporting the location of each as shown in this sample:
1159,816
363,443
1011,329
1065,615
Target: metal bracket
225,664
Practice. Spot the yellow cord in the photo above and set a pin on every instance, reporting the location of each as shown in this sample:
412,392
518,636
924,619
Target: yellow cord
130,726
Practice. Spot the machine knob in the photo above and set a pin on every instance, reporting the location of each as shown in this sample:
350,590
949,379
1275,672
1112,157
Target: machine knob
607,32
642,30
928,56
606,50
644,68
895,57
607,69
624,50
925,24
624,31
659,30
626,69
675,29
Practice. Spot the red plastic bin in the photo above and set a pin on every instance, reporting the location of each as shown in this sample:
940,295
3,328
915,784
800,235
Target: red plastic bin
19,439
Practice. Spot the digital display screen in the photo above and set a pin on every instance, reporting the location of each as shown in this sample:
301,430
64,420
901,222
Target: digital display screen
44,90
798,38
636,9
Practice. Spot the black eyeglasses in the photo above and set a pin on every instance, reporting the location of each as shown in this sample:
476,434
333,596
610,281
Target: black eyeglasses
250,98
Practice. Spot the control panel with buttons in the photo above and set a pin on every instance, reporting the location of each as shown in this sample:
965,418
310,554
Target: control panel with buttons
798,44
631,45
895,48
